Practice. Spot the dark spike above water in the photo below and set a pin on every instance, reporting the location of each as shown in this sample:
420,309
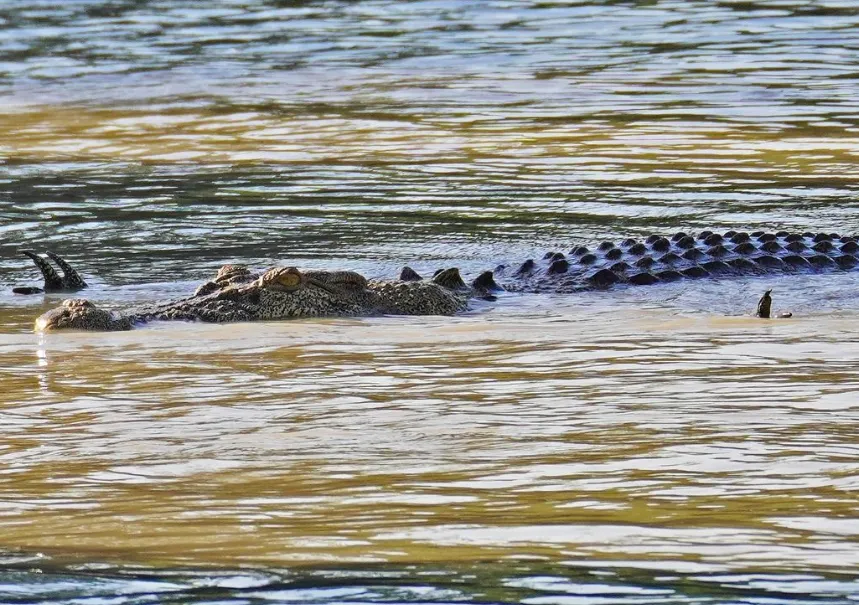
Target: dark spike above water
70,281
409,274
765,305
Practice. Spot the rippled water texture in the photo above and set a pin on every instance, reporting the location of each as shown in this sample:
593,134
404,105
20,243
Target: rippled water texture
641,445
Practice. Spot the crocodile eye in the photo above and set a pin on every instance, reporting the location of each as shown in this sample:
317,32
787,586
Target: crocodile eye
289,280
285,280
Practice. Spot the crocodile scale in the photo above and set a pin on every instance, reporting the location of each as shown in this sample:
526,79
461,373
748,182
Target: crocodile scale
681,256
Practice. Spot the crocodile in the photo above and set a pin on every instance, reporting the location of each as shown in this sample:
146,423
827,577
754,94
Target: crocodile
237,294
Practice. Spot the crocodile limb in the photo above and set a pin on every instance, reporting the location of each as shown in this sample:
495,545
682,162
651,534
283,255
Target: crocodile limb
69,281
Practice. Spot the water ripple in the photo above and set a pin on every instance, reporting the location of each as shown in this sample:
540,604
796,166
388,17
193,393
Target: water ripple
650,445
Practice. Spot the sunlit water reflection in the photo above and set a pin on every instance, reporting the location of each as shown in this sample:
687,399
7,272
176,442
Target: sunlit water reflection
641,445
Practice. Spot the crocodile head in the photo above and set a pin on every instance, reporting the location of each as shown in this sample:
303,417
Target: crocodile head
81,314
279,293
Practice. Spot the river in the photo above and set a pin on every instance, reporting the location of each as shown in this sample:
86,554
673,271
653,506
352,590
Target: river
635,445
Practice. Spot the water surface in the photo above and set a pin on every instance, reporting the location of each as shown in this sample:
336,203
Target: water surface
636,446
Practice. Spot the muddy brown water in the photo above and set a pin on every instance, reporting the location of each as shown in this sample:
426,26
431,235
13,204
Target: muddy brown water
637,445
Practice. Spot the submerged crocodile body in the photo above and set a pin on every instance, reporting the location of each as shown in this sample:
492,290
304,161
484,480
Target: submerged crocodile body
237,294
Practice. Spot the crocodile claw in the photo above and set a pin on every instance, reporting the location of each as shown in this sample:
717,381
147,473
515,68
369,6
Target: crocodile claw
70,280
